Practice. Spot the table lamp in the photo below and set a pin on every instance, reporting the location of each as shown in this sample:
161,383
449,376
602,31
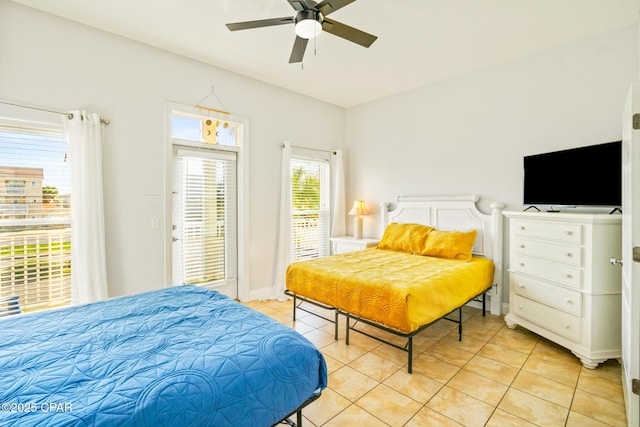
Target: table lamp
358,210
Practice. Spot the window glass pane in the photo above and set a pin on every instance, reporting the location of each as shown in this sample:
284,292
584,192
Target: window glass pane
188,128
35,218
227,135
310,208
205,129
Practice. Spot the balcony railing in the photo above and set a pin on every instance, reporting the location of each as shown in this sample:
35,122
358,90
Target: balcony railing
13,209
310,234
35,262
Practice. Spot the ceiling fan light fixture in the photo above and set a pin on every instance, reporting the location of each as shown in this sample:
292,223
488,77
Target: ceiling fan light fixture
308,24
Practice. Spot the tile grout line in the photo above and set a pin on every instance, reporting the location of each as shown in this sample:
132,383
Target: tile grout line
529,356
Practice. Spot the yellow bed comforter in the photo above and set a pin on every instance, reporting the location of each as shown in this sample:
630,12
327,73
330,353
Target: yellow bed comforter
397,289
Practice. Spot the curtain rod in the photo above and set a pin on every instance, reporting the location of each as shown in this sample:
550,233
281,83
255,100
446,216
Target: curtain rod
312,149
69,115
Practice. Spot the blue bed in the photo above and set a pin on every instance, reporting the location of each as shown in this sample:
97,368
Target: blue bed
183,356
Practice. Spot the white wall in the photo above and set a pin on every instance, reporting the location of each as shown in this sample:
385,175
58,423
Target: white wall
468,135
51,62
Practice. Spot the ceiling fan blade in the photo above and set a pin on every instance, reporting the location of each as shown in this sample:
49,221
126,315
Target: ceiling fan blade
297,53
260,23
348,33
329,6
300,5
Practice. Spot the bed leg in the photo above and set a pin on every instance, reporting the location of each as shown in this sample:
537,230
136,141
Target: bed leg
410,357
347,332
460,324
484,304
336,326
294,307
299,418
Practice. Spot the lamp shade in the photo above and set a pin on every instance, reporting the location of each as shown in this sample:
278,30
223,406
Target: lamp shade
358,208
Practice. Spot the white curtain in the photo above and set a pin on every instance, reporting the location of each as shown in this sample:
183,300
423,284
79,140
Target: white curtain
283,256
88,260
338,223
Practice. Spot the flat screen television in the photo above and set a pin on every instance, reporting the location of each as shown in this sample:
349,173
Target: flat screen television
584,176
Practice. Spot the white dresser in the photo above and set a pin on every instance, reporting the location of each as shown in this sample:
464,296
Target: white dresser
562,285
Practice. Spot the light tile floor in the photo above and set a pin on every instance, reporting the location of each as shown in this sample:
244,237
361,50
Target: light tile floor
494,377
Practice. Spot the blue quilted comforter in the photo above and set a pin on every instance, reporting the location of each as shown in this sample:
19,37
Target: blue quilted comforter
183,356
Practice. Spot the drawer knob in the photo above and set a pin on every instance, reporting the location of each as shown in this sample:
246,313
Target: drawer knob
568,254
568,233
522,227
567,326
522,246
520,285
568,301
568,276
520,307
522,264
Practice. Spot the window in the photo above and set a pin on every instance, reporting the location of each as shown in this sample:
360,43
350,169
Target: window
35,219
205,129
205,202
14,188
310,207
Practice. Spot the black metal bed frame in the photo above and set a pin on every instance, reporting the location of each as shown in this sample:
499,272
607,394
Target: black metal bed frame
298,412
317,304
408,347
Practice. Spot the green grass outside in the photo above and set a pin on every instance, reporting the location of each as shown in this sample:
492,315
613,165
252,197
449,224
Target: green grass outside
42,268
35,248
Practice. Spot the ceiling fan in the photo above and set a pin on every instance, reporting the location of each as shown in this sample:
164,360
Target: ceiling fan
310,19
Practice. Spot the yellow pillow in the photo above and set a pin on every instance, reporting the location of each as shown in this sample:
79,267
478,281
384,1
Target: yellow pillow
450,244
405,237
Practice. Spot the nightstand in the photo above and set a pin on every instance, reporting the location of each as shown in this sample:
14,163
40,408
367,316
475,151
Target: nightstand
344,244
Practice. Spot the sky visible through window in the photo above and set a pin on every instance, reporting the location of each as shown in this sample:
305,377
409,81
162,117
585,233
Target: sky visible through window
51,152
191,129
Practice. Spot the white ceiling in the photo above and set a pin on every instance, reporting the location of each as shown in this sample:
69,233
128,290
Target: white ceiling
419,41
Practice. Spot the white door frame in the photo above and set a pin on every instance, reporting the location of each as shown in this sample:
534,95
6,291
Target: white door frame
242,161
631,268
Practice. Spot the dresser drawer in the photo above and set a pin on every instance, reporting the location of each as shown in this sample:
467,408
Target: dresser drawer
560,273
561,298
559,232
567,254
554,320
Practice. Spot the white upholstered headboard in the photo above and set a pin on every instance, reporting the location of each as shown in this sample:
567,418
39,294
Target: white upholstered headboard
456,213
